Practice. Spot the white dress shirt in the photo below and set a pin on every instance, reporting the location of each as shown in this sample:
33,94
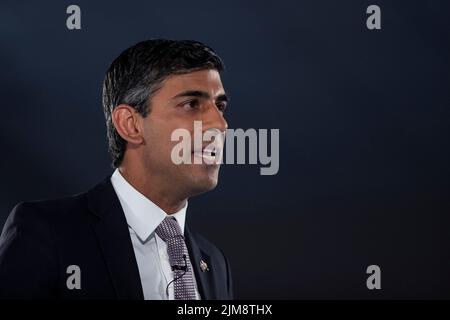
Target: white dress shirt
143,217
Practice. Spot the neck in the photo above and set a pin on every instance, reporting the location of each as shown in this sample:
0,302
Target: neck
152,190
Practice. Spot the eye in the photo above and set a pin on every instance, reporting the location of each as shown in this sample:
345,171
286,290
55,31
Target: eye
221,105
191,104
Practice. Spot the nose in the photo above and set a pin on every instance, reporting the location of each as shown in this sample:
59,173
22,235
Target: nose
213,118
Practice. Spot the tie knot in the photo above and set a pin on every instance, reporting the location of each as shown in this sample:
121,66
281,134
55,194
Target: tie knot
169,229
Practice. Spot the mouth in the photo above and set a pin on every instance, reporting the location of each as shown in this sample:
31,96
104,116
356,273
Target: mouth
207,155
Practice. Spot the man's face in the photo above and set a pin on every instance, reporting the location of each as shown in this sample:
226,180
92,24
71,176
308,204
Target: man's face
183,99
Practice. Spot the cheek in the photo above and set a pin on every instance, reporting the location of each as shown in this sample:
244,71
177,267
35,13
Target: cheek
158,134
155,140
160,143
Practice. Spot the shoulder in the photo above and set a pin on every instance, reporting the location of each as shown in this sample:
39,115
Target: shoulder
59,207
50,212
39,215
48,208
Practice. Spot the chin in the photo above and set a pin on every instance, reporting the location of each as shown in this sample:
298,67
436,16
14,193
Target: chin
204,184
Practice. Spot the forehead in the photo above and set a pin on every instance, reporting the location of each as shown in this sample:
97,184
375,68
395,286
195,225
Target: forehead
204,80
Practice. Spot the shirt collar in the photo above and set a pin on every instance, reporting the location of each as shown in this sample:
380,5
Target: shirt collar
142,215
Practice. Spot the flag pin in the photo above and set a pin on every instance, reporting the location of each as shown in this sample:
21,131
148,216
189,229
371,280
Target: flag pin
204,266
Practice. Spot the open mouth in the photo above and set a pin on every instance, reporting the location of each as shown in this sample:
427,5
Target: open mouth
208,156
210,153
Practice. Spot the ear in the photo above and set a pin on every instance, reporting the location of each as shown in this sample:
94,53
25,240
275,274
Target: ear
128,123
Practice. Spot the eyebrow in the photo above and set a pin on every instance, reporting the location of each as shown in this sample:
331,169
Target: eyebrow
200,94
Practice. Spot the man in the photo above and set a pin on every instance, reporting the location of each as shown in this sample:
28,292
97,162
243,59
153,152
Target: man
127,238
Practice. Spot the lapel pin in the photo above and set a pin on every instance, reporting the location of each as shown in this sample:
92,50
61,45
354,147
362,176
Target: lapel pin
204,266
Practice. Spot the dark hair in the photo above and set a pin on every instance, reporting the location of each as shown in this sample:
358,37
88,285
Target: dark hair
138,72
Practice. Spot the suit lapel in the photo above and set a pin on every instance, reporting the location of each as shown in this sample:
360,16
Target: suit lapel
114,239
204,278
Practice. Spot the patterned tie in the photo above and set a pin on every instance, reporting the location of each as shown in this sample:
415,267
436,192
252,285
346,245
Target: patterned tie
169,231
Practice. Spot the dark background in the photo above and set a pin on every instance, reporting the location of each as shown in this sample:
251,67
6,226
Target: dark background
363,118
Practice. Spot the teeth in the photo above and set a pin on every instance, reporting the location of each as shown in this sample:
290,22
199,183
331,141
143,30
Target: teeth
209,156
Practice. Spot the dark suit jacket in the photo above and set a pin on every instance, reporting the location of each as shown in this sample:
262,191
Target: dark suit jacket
41,239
